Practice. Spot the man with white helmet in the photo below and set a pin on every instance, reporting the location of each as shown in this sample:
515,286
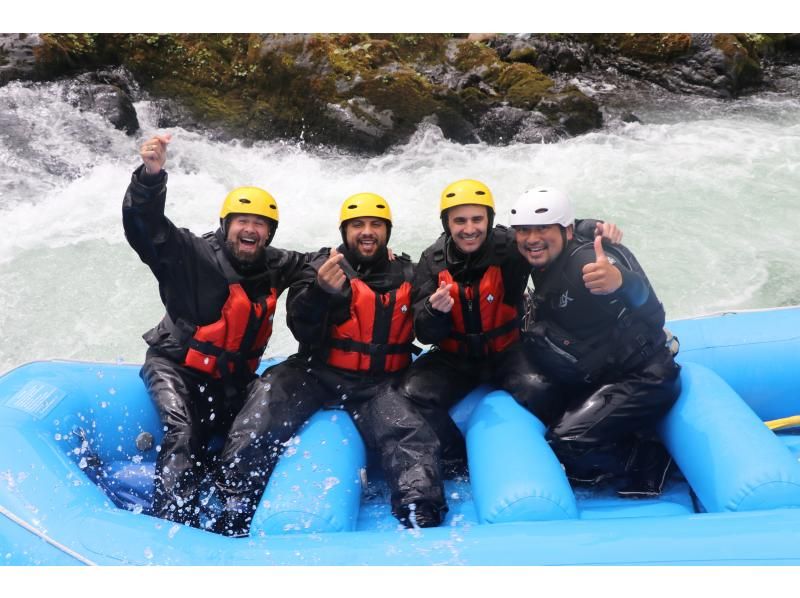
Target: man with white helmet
595,330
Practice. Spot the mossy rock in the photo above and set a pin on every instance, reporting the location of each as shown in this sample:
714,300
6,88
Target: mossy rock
523,85
655,47
744,69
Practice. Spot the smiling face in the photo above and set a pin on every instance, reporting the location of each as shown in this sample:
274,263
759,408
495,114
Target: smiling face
365,237
541,244
247,235
468,225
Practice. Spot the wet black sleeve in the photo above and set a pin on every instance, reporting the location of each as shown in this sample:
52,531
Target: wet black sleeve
290,266
584,228
310,310
147,229
430,325
634,290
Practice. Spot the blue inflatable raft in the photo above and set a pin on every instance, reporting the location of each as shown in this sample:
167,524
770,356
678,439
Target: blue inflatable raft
76,470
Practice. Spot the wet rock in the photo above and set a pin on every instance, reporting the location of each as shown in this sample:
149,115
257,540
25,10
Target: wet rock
108,93
17,56
549,53
629,117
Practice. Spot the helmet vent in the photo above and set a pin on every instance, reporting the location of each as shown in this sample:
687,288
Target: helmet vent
513,211
450,195
352,206
244,200
273,206
380,206
541,211
480,193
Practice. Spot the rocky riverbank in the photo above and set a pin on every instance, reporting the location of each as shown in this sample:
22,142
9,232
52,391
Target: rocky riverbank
366,93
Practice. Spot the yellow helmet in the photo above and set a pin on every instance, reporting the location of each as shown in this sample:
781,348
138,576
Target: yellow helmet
464,192
250,200
363,205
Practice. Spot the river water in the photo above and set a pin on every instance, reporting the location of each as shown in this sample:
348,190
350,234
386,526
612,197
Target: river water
705,190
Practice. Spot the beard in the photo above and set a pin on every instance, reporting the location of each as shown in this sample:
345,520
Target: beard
245,258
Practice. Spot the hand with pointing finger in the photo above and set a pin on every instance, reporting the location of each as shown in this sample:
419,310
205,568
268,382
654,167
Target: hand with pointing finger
330,276
601,277
441,299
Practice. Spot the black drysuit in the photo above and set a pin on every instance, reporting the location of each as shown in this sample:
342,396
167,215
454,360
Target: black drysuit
607,357
194,276
290,392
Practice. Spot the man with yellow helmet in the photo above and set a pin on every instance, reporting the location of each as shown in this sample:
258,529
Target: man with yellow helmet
352,317
468,303
220,292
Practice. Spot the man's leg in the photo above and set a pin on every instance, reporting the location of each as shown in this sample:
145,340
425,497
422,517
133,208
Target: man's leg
595,436
409,450
434,383
277,405
517,374
174,390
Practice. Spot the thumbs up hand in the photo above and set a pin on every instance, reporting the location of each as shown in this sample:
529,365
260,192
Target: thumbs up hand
601,277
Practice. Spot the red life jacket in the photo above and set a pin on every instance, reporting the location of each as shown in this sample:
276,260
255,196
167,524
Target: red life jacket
235,343
378,336
482,322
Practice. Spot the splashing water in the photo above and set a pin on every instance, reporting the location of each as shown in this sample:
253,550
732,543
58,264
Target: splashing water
704,191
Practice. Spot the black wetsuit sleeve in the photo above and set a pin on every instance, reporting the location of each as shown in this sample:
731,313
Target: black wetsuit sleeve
430,325
634,290
584,228
290,266
146,227
310,310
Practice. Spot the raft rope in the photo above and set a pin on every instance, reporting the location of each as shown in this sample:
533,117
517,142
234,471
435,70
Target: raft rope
45,537
784,422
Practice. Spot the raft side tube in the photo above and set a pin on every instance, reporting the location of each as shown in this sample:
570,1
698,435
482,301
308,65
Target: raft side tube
756,352
515,475
730,458
316,485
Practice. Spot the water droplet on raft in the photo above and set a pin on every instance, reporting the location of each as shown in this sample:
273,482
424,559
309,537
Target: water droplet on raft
103,404
330,483
173,530
212,416
148,553
112,391
82,463
137,509
99,373
57,436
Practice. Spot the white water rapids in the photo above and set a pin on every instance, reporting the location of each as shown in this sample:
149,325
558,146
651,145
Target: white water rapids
705,190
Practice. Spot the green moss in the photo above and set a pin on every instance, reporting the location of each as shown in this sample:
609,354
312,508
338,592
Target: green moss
524,54
406,94
745,69
655,47
424,48
524,85
477,56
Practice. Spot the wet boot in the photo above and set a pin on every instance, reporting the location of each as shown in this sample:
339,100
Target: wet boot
648,471
235,519
420,515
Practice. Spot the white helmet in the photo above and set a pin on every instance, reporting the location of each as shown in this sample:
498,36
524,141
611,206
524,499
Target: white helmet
541,206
